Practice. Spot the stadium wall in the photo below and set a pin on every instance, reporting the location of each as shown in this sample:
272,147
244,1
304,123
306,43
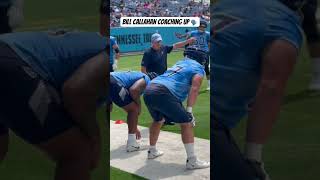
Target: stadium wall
138,39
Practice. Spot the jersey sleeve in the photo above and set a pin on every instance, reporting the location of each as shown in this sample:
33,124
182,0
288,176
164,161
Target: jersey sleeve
200,71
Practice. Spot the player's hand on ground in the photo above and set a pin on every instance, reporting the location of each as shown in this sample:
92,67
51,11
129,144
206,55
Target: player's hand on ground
138,134
193,120
259,169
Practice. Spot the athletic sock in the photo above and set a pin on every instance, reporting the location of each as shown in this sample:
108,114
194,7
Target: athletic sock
152,147
189,150
131,138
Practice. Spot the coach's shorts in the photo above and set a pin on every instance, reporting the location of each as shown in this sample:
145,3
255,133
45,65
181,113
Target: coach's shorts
29,106
118,93
4,20
242,31
161,103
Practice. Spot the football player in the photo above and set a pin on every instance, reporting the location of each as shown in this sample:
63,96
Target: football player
255,47
164,97
125,91
202,42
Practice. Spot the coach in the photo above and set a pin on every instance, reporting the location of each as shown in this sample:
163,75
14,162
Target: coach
154,59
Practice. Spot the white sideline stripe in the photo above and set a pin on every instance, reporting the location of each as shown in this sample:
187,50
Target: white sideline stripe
172,165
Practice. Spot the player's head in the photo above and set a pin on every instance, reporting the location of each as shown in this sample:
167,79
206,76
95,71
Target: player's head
196,54
156,41
203,26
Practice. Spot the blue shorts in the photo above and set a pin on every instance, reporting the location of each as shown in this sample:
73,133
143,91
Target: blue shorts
118,93
29,106
241,32
164,105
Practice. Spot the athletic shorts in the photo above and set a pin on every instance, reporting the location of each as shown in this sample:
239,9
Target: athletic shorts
161,103
29,106
118,93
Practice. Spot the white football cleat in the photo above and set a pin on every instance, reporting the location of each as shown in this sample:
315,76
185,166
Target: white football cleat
133,146
195,163
154,153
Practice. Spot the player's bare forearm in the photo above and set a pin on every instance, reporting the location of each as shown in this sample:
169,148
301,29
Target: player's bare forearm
194,90
259,122
277,66
183,43
81,92
136,90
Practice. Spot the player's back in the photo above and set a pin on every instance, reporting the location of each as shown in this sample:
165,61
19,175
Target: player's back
128,78
53,56
178,78
242,30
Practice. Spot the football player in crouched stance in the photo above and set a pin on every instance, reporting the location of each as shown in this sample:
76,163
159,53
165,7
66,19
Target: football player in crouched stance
51,97
255,45
164,97
125,91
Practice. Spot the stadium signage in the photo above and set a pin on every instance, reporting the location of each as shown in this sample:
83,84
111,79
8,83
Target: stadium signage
159,22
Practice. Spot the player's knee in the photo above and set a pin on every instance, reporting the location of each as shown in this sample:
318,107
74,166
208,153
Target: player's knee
186,125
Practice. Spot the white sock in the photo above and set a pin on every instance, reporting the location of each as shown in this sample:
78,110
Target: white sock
189,149
208,83
131,138
253,151
152,147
